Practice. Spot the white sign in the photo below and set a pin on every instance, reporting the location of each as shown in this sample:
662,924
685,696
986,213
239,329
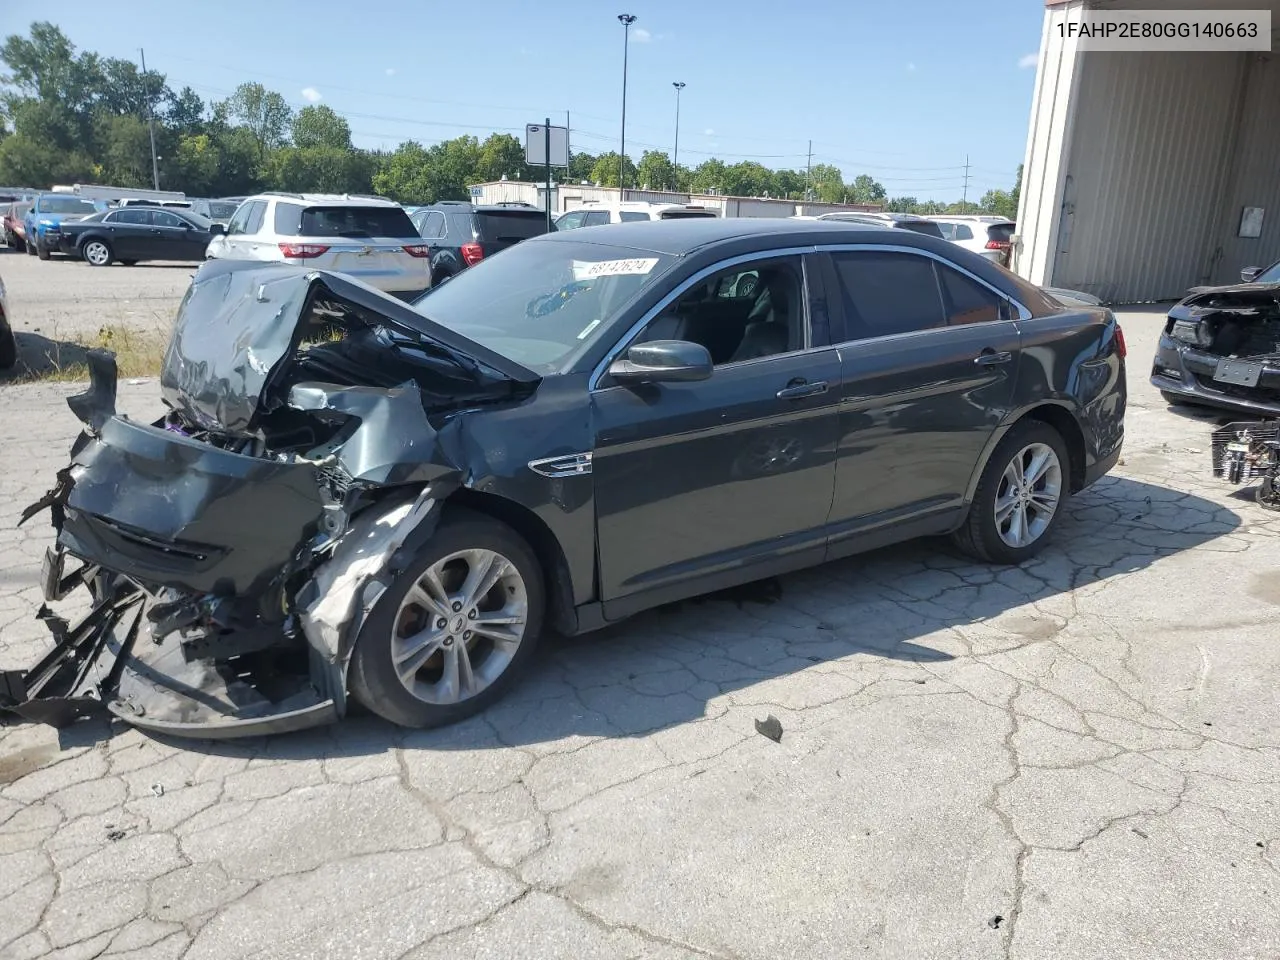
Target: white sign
535,145
1251,222
635,267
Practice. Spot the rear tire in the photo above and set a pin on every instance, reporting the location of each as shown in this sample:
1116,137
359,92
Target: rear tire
8,349
1010,520
400,627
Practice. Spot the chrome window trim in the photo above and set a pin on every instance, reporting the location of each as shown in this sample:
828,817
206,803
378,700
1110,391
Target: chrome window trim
652,313
1022,311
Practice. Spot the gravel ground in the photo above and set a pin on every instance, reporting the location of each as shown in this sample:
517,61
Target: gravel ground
1076,758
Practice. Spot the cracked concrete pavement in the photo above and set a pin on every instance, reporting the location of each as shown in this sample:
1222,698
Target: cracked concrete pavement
1076,758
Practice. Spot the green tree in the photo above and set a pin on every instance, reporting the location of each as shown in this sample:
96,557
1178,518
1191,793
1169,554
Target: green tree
319,126
748,179
827,183
502,155
185,111
194,162
605,170
405,175
790,183
709,177
263,111
580,167
866,189
655,171
319,170
901,204
125,150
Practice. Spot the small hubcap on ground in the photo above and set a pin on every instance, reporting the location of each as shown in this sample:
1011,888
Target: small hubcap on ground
1028,496
459,626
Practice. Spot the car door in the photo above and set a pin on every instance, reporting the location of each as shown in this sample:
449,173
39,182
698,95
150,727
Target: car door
128,232
928,363
703,484
169,238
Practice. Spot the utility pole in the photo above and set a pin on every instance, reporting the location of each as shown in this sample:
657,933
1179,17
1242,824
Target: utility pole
808,166
151,124
675,154
626,19
964,197
568,145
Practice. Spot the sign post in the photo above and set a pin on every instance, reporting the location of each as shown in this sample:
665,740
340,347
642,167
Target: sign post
546,146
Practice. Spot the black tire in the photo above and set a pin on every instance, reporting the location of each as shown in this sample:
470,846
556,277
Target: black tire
979,535
31,249
8,349
42,252
372,678
95,242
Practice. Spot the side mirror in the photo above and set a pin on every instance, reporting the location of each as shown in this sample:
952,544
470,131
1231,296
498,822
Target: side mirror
1249,274
217,230
662,361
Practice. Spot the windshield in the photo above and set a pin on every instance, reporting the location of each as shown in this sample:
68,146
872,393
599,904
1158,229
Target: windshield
1270,275
538,302
66,205
221,210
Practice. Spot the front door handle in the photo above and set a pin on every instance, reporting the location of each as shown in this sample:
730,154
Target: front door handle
988,358
798,389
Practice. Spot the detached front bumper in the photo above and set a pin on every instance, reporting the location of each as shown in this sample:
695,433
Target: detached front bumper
1188,372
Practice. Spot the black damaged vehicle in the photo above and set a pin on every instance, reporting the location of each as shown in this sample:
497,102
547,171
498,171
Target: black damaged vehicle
1221,346
351,496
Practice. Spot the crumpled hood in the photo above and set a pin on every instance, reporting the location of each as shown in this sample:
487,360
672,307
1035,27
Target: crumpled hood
1257,292
240,322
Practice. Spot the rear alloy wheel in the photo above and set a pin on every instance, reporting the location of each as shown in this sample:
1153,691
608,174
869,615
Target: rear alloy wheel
96,253
454,632
1020,496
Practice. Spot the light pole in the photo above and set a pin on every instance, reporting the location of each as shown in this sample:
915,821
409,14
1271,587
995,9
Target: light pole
626,19
675,154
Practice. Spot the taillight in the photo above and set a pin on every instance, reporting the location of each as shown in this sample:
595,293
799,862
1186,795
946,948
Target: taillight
1122,351
998,244
418,250
472,253
302,251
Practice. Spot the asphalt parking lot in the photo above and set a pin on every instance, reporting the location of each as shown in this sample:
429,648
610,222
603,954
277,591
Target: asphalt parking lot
1076,758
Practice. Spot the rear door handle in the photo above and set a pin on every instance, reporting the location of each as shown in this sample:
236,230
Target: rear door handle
990,358
797,391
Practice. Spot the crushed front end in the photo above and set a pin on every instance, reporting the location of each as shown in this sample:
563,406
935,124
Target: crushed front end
223,557
1249,451
1221,346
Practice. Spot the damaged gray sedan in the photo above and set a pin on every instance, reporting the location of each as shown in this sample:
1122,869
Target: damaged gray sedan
349,496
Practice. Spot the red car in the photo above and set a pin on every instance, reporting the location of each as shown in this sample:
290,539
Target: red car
15,234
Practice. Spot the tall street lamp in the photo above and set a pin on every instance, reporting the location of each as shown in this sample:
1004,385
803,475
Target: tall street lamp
675,154
626,19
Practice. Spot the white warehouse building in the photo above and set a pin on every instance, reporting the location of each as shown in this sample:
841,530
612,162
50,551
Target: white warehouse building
1149,172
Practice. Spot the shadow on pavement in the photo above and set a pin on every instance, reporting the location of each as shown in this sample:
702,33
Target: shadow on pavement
39,356
661,668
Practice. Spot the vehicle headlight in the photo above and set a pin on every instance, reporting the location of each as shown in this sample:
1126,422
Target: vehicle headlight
47,223
1191,331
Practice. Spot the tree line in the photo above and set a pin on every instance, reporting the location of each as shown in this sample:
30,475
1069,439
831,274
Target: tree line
76,117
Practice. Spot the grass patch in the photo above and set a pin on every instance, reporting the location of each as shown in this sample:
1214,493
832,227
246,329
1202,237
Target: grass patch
139,353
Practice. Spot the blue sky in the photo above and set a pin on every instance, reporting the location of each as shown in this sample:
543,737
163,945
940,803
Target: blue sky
900,90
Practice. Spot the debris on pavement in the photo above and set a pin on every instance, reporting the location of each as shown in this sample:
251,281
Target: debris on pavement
994,922
770,727
158,789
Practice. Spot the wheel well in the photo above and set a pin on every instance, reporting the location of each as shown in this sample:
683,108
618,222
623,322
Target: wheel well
534,531
1061,420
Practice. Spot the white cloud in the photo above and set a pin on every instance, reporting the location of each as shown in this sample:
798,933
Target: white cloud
390,71
641,35
1029,61
311,95
911,67
708,132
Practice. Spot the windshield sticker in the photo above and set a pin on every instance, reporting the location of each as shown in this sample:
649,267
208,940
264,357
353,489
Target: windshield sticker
587,331
614,268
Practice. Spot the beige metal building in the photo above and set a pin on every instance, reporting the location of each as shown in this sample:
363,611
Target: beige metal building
1144,169
571,196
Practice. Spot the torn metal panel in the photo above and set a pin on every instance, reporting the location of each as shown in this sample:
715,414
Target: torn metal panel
345,588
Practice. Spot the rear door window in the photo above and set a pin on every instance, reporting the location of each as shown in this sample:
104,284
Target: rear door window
510,226
968,301
595,218
887,293
356,221
963,232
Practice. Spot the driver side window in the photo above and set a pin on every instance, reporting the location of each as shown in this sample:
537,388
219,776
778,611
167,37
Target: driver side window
745,312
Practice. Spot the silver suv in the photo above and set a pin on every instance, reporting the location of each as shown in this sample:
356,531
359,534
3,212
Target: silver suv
368,238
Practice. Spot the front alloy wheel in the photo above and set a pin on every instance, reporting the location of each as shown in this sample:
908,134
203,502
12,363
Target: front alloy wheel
455,629
97,253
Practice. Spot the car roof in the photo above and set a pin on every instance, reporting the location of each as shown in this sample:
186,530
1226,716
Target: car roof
678,237
328,199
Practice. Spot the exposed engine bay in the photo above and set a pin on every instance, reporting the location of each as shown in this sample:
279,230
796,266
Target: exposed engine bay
1247,451
1231,340
226,554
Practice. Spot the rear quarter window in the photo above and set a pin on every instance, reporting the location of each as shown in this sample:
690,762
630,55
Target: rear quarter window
510,226
1000,232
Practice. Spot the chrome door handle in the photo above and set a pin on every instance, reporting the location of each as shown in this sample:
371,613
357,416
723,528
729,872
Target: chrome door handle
797,391
989,358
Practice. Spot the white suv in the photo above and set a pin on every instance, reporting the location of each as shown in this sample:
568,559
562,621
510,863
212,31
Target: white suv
369,238
989,236
629,210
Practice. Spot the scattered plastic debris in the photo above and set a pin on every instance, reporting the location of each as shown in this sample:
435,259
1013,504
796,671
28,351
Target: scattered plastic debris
1140,833
158,789
115,835
994,922
770,727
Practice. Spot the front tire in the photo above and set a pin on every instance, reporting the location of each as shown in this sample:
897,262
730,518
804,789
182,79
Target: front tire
457,628
1020,496
42,252
96,253
8,349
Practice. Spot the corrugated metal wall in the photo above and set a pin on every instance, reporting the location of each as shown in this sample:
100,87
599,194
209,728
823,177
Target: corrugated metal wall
1149,156
1255,179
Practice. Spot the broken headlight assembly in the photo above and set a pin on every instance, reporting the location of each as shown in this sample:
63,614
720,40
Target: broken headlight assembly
1193,331
1250,450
